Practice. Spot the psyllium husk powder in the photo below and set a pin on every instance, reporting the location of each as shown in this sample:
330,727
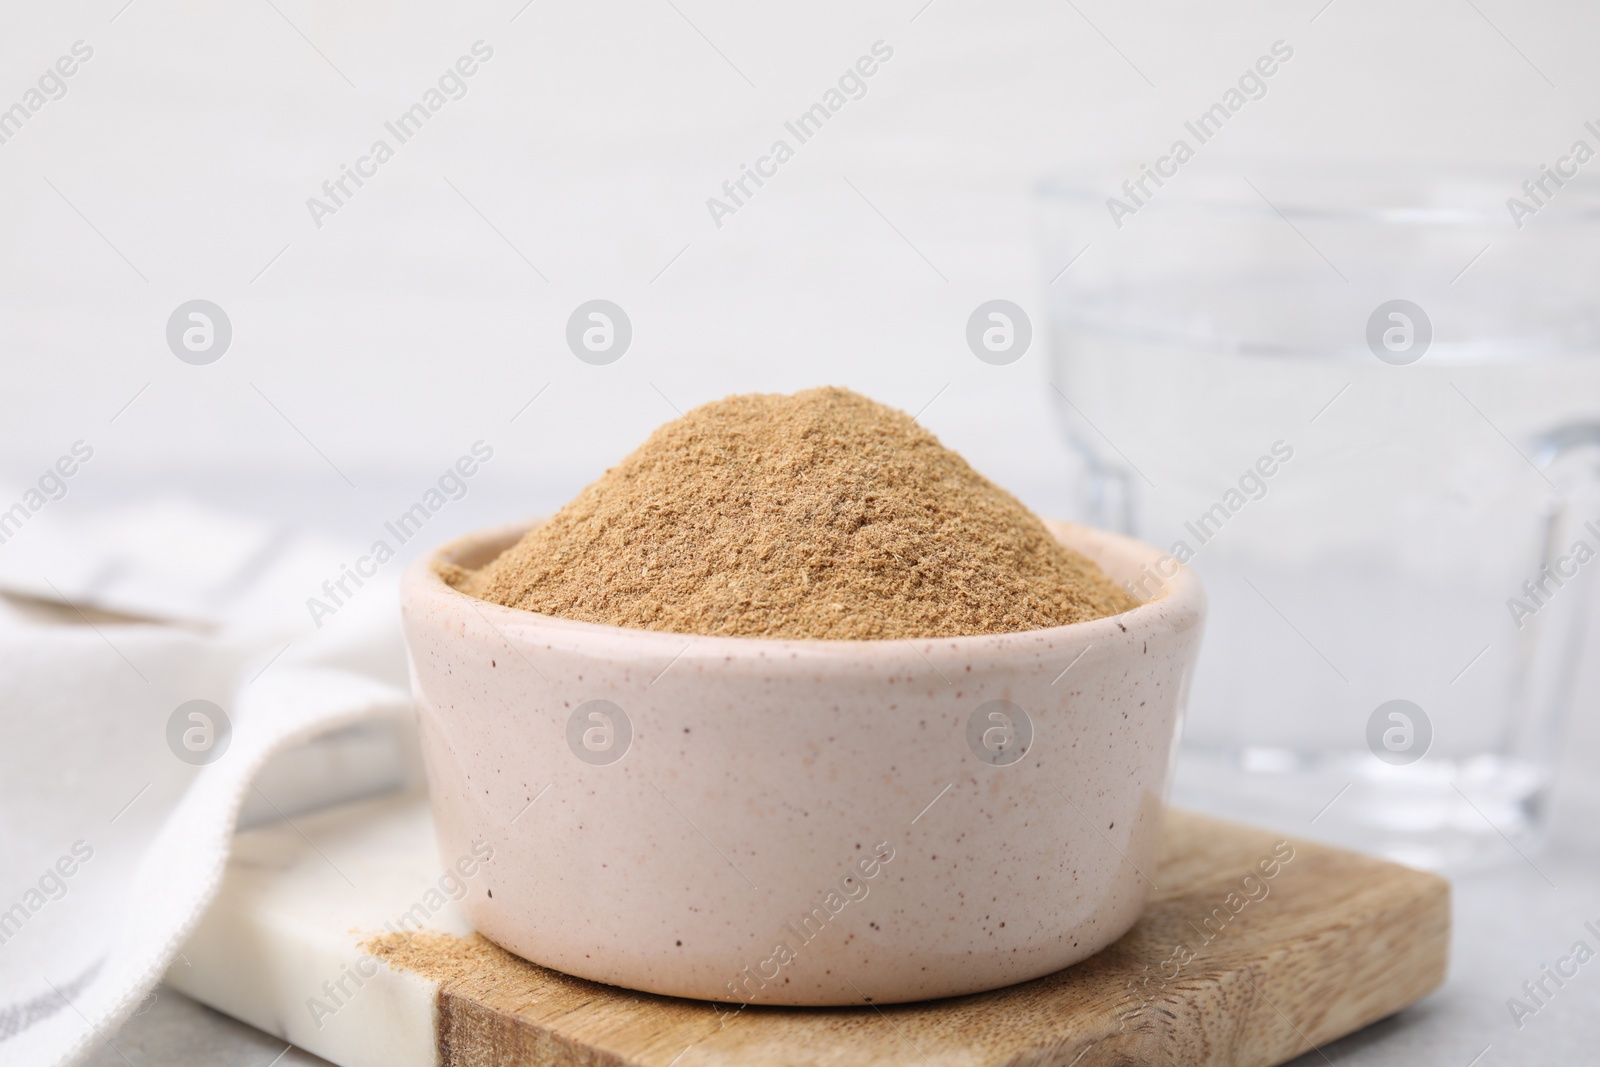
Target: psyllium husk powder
821,514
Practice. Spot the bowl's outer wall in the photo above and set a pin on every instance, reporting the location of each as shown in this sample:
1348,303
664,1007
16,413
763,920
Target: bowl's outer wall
715,858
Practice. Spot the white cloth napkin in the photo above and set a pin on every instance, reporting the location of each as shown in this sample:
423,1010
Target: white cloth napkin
111,845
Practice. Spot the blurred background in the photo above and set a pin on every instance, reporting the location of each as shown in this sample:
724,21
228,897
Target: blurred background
355,342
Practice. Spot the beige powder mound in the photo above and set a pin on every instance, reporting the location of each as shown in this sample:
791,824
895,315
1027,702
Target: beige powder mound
818,515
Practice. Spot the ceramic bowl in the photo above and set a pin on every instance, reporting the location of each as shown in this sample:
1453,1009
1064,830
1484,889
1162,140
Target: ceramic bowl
801,822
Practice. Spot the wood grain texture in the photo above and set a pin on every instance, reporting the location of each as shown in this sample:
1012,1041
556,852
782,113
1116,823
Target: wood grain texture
1331,942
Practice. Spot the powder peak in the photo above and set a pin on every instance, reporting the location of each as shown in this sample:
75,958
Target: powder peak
821,514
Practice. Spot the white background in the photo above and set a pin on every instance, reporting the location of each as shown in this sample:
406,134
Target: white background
405,328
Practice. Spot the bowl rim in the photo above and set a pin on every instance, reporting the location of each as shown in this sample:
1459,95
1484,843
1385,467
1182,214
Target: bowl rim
1178,603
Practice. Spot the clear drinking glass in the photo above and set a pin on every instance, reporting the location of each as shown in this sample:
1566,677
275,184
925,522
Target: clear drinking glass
1365,406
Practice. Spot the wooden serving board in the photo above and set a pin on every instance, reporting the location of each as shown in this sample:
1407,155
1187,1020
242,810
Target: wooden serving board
1228,966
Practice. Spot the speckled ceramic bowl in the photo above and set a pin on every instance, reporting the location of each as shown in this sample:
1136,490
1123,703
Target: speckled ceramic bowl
800,822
